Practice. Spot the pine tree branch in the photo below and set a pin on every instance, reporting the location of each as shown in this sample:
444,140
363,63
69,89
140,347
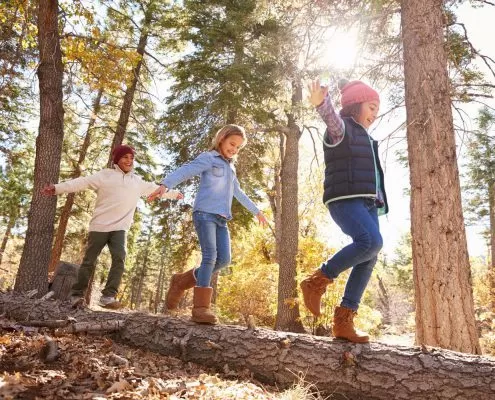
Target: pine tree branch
487,60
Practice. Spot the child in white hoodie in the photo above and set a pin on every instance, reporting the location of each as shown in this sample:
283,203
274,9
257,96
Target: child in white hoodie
118,190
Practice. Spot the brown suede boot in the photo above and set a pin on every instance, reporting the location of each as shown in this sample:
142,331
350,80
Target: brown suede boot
201,311
343,326
179,283
313,289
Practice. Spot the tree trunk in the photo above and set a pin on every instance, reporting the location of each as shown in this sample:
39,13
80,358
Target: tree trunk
65,277
125,111
69,202
491,272
142,275
384,299
6,235
338,368
275,198
159,285
442,276
140,284
33,268
288,317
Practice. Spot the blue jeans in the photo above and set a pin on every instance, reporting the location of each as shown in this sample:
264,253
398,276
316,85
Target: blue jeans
214,239
357,218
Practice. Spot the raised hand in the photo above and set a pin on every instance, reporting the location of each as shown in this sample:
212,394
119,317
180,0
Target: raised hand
317,93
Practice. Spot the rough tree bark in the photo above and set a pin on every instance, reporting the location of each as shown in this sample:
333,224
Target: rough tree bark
275,198
33,268
342,369
442,276
288,316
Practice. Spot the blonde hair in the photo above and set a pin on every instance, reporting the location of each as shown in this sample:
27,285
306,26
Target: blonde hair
225,132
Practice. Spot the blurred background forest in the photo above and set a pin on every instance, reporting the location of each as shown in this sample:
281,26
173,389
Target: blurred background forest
163,76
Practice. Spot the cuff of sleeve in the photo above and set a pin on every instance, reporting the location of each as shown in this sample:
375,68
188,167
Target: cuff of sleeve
255,211
170,194
320,106
167,183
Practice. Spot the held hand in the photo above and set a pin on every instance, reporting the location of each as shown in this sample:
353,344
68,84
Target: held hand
262,220
317,93
157,193
48,190
180,196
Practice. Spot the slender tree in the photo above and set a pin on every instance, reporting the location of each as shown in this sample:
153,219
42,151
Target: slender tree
288,317
442,276
33,268
130,91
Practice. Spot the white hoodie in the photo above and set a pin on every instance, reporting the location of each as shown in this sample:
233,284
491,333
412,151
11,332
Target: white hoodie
117,195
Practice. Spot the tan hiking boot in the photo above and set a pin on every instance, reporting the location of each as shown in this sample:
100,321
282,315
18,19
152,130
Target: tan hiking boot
201,311
313,289
179,283
343,326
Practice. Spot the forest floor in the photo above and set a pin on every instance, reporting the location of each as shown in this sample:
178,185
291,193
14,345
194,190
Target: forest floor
95,367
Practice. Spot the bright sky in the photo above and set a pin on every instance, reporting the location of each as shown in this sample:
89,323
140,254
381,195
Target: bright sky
479,23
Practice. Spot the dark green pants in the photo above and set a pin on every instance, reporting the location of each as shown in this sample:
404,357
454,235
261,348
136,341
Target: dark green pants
116,241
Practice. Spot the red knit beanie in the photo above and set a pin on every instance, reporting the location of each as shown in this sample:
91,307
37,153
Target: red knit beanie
356,92
120,151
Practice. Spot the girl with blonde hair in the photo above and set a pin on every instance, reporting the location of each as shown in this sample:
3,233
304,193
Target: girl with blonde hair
211,212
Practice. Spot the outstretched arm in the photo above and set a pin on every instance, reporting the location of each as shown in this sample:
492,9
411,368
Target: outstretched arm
246,202
195,167
73,185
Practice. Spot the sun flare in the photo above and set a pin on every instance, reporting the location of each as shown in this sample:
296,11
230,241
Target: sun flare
341,50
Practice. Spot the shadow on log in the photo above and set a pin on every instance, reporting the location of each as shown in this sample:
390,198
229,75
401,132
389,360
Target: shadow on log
351,371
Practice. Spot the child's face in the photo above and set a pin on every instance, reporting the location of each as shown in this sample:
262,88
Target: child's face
126,162
230,146
369,111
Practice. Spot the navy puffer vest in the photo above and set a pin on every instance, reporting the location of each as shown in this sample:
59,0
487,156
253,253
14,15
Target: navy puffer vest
350,167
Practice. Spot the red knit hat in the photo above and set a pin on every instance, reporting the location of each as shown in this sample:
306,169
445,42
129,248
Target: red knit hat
120,151
356,92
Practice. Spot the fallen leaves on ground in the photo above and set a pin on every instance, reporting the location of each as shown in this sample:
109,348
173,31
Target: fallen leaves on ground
96,367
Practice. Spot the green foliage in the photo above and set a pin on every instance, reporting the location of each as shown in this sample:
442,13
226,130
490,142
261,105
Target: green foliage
222,79
482,277
401,266
480,168
250,290
16,180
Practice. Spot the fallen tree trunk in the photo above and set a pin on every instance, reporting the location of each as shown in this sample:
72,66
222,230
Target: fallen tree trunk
370,371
